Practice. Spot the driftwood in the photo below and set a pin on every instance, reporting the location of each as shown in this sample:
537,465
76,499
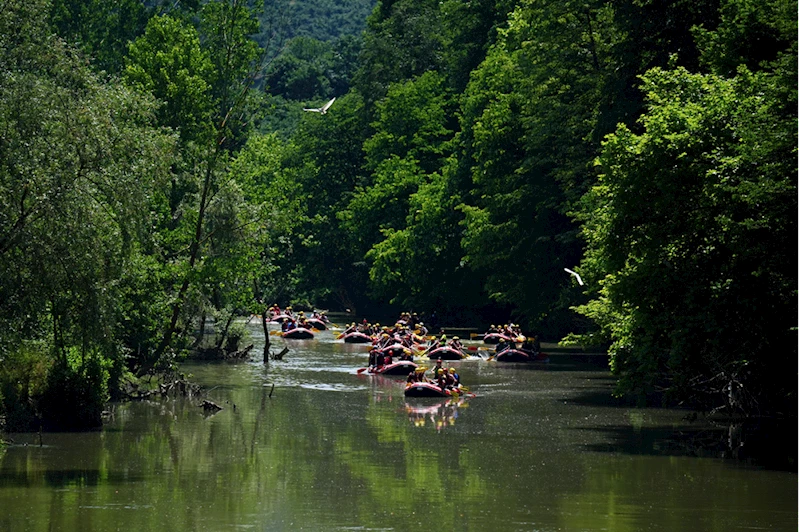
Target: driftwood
179,387
279,356
210,406
131,390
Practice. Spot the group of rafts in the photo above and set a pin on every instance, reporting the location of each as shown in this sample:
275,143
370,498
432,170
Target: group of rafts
393,350
297,326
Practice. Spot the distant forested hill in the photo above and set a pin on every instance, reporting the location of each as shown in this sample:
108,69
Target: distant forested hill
313,47
324,20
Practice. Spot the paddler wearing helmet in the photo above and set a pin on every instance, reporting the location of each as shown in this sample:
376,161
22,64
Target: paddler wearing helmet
455,343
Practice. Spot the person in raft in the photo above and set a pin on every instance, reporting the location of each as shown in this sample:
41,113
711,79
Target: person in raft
503,344
455,343
434,344
437,367
528,346
455,379
441,378
302,320
417,375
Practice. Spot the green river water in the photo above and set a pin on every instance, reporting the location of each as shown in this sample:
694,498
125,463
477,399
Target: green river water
539,448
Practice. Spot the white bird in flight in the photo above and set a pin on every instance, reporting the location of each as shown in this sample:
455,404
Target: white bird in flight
323,109
579,279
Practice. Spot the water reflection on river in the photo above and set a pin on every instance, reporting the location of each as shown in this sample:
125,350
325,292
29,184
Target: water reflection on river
538,448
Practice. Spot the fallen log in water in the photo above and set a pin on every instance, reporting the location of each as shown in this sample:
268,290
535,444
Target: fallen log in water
280,355
179,387
210,406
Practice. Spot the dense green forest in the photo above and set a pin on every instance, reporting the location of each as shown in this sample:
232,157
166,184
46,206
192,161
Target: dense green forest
157,173
322,20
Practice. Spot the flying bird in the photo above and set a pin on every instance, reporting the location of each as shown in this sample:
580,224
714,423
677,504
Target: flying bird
323,109
579,279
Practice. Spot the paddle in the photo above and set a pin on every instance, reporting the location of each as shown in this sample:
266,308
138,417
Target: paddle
361,370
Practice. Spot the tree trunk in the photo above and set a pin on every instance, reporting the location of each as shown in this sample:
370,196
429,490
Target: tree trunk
221,340
267,343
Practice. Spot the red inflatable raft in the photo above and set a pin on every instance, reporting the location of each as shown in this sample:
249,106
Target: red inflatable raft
300,333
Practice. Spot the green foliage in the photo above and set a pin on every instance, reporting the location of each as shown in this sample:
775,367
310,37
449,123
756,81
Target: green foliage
80,158
469,28
322,20
168,62
205,243
75,393
457,174
306,71
227,28
275,220
402,41
750,33
698,290
412,122
102,28
412,137
418,264
299,72
23,374
323,166
530,123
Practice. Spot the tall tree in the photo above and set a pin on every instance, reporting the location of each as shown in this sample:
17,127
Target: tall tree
168,62
205,81
403,39
78,159
530,126
324,164
698,290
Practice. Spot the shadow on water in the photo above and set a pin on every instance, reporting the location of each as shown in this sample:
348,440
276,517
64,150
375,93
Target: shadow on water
63,478
561,363
765,444
54,477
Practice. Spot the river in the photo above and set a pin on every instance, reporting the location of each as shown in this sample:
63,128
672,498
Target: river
538,448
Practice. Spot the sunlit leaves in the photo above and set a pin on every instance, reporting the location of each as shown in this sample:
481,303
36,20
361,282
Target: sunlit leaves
168,62
82,161
708,257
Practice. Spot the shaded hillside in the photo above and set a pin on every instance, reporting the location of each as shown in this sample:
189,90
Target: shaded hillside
324,20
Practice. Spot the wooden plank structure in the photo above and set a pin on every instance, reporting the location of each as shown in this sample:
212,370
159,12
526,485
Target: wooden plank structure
463,332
